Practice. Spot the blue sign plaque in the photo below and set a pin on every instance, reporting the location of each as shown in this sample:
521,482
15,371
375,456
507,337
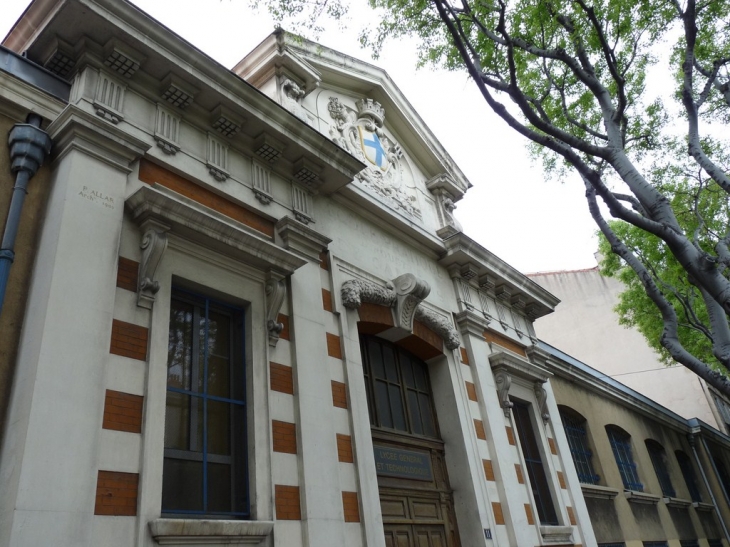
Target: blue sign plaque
403,464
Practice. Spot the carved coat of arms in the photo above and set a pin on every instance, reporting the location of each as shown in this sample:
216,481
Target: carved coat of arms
361,133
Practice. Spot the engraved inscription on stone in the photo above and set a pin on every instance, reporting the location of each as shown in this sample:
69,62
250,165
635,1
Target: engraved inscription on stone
95,196
403,464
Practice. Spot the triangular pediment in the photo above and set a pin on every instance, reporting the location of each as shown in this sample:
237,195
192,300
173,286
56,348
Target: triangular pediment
409,177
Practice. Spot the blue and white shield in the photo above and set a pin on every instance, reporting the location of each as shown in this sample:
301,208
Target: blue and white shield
373,149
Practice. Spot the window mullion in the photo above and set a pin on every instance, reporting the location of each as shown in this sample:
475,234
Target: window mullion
205,410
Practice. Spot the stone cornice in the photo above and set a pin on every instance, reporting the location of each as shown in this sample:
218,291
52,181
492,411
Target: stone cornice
301,239
517,367
165,52
471,323
461,250
77,129
193,221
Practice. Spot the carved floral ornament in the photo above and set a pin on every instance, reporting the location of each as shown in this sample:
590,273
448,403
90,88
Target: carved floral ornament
361,133
405,293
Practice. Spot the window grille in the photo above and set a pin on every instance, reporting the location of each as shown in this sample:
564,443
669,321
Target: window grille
621,446
204,469
685,466
398,388
655,544
689,543
714,543
659,461
575,431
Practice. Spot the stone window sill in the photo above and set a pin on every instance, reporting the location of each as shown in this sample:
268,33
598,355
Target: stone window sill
599,492
700,506
676,502
641,497
209,532
557,534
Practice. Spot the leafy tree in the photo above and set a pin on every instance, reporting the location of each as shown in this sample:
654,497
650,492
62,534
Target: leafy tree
571,76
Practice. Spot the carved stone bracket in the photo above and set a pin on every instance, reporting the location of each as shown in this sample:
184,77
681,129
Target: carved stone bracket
410,291
503,381
153,245
356,291
440,325
275,293
404,293
541,398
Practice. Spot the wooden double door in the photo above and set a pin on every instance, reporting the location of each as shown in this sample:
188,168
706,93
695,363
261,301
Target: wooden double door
416,512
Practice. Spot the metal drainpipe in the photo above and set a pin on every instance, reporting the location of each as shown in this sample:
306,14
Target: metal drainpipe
29,145
691,439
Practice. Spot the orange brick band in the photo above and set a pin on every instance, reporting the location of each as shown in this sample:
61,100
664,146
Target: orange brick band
344,448
123,411
498,514
127,272
561,480
339,394
464,356
528,512
281,378
287,502
496,338
284,320
323,262
350,507
327,300
520,476
553,446
571,516
334,349
510,435
285,437
479,427
488,470
129,340
471,391
116,494
152,173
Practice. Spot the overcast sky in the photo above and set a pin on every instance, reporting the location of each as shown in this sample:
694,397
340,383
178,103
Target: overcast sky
533,224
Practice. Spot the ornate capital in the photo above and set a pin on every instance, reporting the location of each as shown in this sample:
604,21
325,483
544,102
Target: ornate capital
275,293
503,381
410,291
153,245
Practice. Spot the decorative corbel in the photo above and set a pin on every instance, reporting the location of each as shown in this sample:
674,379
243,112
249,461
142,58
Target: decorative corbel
440,325
503,381
275,293
409,292
153,245
541,396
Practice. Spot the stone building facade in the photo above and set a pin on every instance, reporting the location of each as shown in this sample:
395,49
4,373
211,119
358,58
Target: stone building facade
251,317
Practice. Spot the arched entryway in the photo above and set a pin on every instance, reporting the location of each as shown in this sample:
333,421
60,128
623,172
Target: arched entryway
415,496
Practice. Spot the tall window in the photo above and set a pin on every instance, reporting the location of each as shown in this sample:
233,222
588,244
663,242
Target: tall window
398,389
575,430
685,466
621,445
533,462
659,461
204,469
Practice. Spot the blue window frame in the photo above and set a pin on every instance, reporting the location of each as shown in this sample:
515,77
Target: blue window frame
685,466
533,462
205,467
575,430
621,446
659,461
